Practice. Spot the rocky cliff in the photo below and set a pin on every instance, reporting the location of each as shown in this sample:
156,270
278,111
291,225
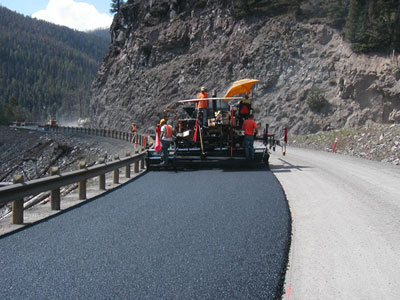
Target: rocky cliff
163,51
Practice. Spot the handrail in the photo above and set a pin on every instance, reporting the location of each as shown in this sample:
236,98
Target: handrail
33,187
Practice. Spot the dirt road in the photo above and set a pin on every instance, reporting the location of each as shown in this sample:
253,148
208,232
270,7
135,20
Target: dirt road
346,237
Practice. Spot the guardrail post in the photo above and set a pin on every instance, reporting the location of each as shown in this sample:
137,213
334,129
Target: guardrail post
82,184
102,177
140,140
128,167
18,205
116,171
137,166
142,163
55,194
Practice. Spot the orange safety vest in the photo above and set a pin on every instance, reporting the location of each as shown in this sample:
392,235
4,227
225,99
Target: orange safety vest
244,107
249,126
168,131
202,104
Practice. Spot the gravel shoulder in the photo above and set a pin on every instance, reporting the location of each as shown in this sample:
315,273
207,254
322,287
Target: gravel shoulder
380,142
345,210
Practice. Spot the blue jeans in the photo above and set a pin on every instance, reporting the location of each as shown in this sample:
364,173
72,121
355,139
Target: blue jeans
249,146
204,119
165,146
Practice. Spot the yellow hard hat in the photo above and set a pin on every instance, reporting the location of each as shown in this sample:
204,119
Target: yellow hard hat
203,89
162,121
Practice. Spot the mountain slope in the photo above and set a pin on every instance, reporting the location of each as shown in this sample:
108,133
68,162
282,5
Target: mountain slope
310,78
44,68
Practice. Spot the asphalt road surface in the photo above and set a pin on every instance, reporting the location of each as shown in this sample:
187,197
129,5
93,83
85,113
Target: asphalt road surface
208,234
346,226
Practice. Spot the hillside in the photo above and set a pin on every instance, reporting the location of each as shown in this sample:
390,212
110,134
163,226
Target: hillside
312,76
45,70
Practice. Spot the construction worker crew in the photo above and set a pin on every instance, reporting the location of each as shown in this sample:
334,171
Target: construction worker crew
202,106
166,139
250,128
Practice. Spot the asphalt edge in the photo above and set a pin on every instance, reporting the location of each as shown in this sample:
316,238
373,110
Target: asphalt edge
281,290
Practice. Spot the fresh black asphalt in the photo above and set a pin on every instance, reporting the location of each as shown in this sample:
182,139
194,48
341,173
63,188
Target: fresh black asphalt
206,234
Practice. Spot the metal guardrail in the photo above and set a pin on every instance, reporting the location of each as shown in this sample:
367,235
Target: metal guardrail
16,192
134,138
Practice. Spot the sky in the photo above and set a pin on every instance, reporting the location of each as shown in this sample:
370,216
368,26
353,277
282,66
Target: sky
81,15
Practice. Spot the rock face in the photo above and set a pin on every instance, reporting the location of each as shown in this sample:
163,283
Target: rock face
163,51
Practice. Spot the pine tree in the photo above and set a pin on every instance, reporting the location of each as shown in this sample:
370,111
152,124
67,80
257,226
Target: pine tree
356,25
116,6
338,9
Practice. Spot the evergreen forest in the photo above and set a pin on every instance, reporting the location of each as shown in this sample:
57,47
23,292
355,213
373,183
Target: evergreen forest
46,70
369,25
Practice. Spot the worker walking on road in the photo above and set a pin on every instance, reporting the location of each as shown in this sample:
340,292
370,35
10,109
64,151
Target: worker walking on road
166,139
250,129
202,106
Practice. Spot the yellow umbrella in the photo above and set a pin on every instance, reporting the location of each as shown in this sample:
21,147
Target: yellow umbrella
241,87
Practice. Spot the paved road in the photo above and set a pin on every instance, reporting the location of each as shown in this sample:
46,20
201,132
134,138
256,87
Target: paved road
206,234
346,237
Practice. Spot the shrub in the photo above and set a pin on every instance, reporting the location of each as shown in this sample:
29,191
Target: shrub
315,99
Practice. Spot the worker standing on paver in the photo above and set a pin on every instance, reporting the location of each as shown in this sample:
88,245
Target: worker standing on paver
166,139
250,129
245,107
202,106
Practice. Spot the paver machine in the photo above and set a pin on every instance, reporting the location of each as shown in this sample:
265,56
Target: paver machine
219,142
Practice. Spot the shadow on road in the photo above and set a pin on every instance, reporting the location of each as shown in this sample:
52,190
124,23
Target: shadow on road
224,166
286,167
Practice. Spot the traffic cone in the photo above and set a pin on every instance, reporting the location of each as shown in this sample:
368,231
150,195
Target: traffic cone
335,144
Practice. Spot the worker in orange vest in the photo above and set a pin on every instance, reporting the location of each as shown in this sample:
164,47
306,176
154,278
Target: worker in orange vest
133,129
202,106
250,129
166,139
245,107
